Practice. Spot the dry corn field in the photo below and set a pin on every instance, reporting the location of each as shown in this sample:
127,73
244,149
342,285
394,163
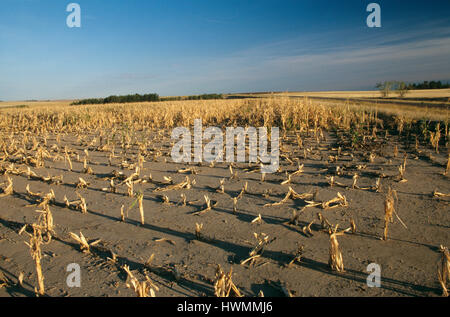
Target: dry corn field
96,185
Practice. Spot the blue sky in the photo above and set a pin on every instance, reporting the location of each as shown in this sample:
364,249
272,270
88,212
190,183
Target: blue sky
190,47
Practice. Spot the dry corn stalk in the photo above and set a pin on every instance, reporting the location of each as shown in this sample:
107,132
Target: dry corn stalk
183,199
258,220
4,281
243,191
444,269
141,160
294,218
389,211
221,188
307,229
122,214
112,187
82,204
45,223
20,279
223,284
8,189
167,180
355,180
438,194
447,169
287,181
326,225
129,184
165,240
401,174
52,179
86,168
340,200
35,250
142,289
50,197
30,193
353,225
377,187
298,255
191,170
257,251
165,199
30,174
335,260
208,206
291,194
299,170
333,183
235,200
113,258
198,231
434,138
186,184
85,246
149,261
67,202
68,160
140,198
81,183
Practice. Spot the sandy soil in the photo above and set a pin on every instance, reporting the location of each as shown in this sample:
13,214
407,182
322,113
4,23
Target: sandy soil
184,265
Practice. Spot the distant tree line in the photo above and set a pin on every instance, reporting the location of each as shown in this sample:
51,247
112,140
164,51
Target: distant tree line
118,99
401,88
429,85
195,97
142,98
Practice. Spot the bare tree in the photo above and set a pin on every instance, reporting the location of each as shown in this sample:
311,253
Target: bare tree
385,88
401,88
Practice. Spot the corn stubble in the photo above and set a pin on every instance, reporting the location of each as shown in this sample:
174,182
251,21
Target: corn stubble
85,246
223,284
335,260
8,190
35,125
142,289
34,244
444,270
389,211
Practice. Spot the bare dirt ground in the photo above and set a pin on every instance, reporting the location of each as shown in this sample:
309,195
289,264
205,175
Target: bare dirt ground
184,264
